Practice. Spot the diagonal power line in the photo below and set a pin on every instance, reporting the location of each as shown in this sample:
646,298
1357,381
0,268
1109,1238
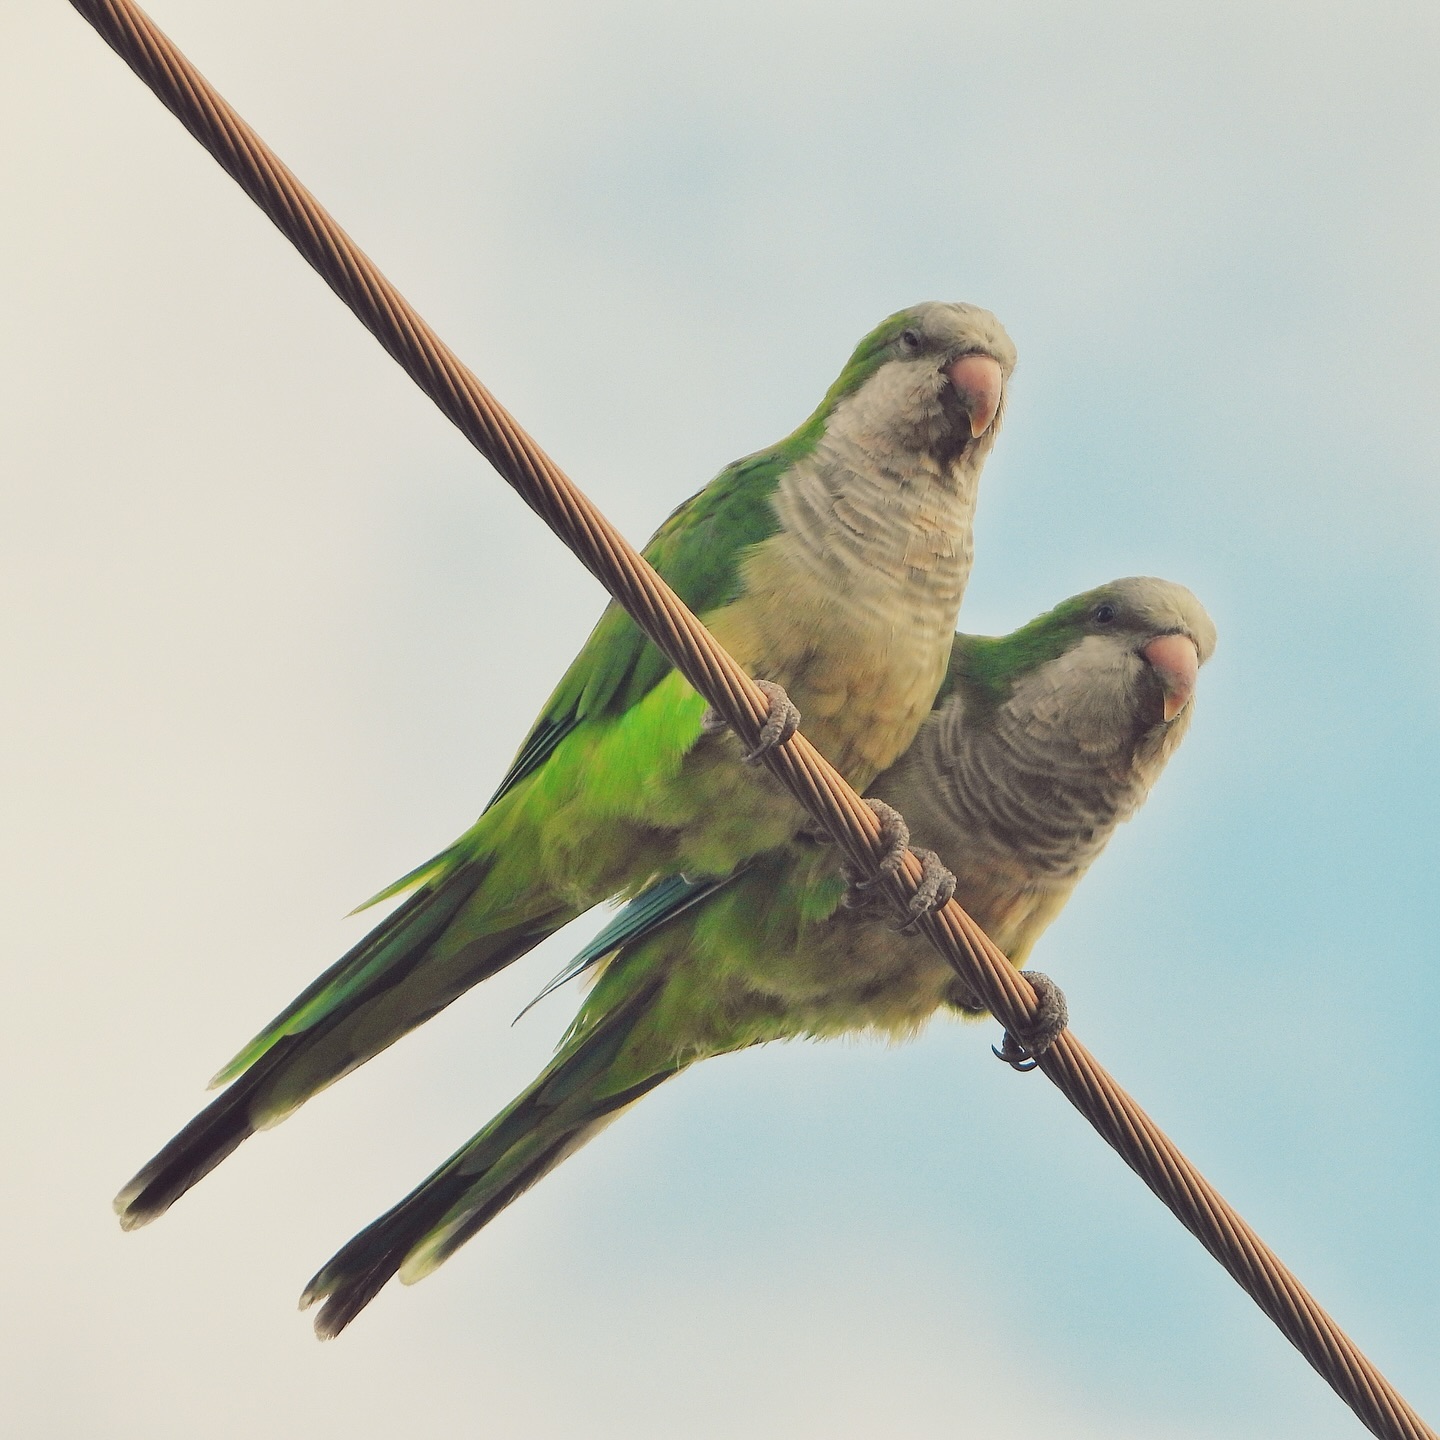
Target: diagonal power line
693,650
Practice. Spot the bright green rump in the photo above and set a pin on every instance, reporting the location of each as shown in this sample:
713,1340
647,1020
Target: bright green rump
770,957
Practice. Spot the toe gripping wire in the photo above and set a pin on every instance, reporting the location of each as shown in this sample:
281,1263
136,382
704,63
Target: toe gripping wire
782,720
1022,1044
936,886
1023,1051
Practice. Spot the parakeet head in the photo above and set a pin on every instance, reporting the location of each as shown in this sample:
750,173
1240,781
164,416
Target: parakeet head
1043,740
931,378
1107,672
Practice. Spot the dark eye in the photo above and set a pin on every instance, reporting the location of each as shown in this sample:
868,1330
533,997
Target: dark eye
1104,614
910,340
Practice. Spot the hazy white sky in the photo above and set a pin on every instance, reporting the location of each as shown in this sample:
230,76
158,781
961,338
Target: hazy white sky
272,632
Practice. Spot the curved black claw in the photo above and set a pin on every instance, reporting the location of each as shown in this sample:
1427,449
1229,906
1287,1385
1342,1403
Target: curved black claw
813,833
781,722
1051,1017
896,835
961,997
936,887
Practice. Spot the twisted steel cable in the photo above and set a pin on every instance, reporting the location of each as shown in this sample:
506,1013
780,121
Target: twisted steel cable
691,648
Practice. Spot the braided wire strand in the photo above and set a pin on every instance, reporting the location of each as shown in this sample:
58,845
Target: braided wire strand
466,402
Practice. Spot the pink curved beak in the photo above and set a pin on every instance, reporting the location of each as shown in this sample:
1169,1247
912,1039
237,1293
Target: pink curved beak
1176,661
979,382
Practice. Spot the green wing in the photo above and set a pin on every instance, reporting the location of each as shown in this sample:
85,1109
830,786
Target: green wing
698,551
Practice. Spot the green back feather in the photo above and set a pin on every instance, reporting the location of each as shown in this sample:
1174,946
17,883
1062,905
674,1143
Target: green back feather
986,667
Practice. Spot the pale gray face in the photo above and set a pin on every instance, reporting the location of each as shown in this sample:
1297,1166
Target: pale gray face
1028,788
1127,684
942,388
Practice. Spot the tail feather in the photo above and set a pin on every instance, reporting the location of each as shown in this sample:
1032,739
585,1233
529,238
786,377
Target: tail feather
216,1132
382,958
570,1102
370,998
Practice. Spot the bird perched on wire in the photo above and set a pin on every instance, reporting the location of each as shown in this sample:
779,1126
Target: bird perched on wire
831,566
1040,743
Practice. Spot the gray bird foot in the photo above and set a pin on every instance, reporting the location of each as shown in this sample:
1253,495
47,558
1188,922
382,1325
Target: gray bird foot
895,834
936,885
1022,1052
781,722
933,892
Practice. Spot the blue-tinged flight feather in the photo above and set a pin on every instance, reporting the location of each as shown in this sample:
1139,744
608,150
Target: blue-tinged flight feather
647,912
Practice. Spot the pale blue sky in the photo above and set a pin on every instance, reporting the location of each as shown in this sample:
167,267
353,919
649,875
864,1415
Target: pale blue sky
273,631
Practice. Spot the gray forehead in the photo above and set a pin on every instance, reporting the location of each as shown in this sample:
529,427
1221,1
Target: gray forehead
1164,605
957,323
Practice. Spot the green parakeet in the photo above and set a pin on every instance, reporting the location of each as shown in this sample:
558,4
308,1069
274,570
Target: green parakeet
831,565
1039,744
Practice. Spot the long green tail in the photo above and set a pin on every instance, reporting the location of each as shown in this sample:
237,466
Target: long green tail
388,984
576,1094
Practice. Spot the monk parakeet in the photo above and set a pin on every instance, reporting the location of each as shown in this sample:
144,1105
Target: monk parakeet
831,566
1039,744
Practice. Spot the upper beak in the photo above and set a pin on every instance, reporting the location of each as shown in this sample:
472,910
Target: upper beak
979,382
1176,662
